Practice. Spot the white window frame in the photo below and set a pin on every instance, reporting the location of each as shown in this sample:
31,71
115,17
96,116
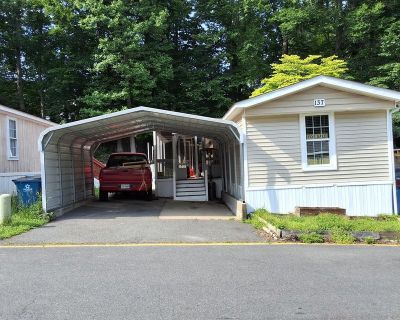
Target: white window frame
332,144
9,155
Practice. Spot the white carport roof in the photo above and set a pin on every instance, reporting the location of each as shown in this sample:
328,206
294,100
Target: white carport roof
67,150
136,120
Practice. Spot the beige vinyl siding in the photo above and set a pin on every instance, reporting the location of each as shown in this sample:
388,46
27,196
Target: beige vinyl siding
274,151
302,102
28,132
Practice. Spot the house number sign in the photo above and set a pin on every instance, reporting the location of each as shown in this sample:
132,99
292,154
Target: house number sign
318,103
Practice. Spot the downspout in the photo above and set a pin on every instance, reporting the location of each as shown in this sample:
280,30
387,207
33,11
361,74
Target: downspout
391,154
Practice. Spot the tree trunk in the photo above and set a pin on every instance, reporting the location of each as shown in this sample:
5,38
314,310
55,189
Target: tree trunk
18,71
339,40
285,45
129,101
339,29
41,99
18,53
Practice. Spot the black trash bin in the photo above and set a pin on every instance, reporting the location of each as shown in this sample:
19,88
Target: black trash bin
28,189
212,191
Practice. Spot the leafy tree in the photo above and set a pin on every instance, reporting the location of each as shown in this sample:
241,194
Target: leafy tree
71,59
389,72
132,63
293,69
239,42
12,14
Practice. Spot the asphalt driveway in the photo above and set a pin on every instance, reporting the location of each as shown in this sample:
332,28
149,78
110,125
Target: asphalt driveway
138,221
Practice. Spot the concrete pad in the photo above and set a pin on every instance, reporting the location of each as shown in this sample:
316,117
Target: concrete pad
182,210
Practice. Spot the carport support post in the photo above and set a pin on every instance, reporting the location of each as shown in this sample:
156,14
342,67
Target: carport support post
132,143
174,138
119,146
225,170
242,180
155,163
196,156
230,169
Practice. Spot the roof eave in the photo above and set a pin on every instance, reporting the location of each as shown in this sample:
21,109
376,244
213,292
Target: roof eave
345,85
26,115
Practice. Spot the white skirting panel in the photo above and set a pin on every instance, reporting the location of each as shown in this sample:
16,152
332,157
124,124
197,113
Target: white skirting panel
358,200
6,184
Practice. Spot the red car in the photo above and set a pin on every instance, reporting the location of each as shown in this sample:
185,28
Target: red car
126,172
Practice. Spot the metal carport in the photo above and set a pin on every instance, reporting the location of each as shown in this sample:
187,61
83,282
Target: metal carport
66,150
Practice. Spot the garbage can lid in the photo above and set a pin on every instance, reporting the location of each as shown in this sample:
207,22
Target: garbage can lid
36,178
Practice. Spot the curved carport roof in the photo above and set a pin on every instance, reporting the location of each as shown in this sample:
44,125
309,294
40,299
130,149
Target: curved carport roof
66,150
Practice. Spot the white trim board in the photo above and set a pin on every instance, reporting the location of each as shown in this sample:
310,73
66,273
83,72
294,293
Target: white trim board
344,85
392,174
357,183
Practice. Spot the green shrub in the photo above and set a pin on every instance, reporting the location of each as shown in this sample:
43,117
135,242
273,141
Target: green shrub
23,218
369,240
342,236
311,237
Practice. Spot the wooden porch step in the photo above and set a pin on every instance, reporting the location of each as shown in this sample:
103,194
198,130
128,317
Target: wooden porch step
191,188
191,193
191,198
190,181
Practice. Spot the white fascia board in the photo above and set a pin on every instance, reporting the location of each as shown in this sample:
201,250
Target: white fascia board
26,115
345,85
134,110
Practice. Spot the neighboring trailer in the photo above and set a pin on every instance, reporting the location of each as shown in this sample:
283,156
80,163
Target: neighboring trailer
19,155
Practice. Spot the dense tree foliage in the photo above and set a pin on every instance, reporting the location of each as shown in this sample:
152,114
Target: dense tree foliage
70,59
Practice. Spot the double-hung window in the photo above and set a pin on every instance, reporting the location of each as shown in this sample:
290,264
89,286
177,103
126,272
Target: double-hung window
12,139
318,142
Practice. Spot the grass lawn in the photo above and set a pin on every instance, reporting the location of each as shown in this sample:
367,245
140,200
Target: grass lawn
23,219
327,222
340,227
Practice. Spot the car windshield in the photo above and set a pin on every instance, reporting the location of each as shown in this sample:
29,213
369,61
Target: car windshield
121,160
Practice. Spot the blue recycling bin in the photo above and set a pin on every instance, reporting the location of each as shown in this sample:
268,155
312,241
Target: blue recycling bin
28,189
